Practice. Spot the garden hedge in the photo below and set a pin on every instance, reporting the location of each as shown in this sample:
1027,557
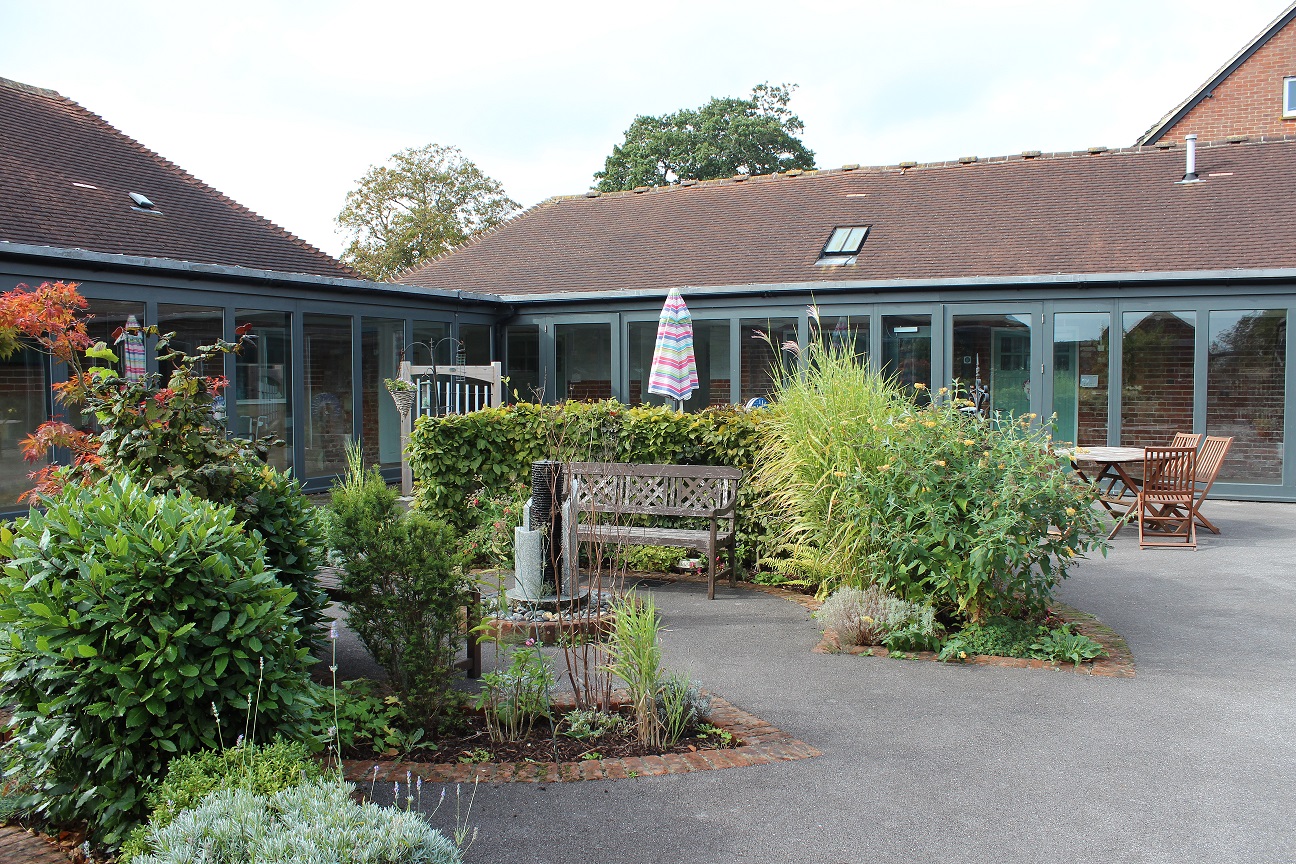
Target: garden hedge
458,456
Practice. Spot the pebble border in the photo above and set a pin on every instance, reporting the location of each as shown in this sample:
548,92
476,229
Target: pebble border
763,744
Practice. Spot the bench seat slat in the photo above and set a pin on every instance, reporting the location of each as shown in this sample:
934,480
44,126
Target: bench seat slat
642,536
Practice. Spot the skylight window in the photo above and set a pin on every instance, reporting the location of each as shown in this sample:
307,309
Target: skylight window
1289,97
843,246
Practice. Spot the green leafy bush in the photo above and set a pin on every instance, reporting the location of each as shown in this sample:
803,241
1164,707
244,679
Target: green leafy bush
367,717
315,821
124,616
514,698
405,590
488,541
264,770
1062,644
588,724
999,636
652,559
931,502
457,457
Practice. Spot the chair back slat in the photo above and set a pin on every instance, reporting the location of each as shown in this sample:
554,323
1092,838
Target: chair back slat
1186,439
1169,472
1211,458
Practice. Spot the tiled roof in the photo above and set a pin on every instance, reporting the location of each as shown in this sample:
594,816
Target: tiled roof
1093,211
65,180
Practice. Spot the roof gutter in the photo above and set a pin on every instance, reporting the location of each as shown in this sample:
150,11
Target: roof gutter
895,285
194,270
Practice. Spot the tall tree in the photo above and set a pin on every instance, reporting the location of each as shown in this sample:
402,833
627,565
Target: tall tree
424,201
724,137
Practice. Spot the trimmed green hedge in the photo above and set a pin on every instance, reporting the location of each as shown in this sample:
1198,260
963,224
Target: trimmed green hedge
456,457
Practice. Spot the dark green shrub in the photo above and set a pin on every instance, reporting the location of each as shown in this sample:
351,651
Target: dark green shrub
264,770
652,559
368,717
488,542
124,617
405,590
999,636
1061,644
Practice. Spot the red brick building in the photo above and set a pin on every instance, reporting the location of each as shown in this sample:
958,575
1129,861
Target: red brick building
1253,95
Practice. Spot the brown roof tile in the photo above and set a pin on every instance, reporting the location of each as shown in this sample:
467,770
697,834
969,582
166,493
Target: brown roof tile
1112,211
49,143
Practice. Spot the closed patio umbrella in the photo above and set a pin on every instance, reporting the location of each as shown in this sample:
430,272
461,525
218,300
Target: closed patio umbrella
674,368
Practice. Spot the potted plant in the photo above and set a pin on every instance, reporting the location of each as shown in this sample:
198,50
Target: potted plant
402,393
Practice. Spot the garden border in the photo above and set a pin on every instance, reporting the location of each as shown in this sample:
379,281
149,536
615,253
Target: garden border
1119,662
763,744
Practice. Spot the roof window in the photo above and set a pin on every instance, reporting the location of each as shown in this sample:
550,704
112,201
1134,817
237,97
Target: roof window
842,246
1289,97
144,205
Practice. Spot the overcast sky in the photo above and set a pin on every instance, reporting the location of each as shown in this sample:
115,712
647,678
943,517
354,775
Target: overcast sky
283,106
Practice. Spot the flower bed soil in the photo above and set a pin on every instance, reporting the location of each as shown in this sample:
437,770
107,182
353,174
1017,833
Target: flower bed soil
756,743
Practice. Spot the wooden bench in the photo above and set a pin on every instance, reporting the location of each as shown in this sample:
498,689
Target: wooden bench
602,492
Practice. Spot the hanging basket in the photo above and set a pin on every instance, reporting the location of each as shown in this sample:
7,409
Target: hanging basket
404,400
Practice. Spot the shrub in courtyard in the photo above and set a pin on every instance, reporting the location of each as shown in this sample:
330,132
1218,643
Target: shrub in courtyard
124,617
513,699
488,540
405,589
663,707
315,821
931,502
262,769
871,616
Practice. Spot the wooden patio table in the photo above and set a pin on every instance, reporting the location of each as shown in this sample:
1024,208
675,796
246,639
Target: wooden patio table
1107,468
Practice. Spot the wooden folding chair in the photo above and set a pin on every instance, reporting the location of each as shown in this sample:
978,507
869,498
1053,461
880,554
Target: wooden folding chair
1208,467
1181,439
1165,500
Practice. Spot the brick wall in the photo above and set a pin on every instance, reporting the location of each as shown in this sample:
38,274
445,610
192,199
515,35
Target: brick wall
1248,102
1157,386
1245,397
1091,410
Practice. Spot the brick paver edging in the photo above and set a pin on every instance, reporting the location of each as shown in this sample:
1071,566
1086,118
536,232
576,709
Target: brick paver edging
1118,662
762,744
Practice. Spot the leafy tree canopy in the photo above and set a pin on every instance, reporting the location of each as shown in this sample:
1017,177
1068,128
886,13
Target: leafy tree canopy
726,136
424,201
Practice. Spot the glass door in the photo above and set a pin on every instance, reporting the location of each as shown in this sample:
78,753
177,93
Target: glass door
992,359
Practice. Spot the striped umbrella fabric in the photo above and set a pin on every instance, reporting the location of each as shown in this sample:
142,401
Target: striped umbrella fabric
674,367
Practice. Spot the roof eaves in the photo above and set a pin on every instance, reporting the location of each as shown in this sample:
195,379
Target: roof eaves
893,285
198,269
1152,135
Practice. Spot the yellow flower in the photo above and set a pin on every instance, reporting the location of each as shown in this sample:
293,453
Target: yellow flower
1070,511
943,390
968,441
962,655
920,386
940,462
886,467
866,619
930,424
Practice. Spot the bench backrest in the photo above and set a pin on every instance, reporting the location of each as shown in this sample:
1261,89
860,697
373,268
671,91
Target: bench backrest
654,490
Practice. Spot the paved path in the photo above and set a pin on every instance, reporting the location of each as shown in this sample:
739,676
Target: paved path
1192,760
17,846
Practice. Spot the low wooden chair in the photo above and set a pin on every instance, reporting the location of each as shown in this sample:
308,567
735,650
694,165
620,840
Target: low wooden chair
1165,500
1208,467
1181,439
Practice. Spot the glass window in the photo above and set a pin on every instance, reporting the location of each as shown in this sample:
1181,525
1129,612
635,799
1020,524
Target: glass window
193,326
327,376
906,351
432,345
584,361
382,342
476,339
24,407
1289,97
106,317
710,352
522,363
847,334
760,364
991,362
846,241
1156,376
263,382
1081,347
1245,391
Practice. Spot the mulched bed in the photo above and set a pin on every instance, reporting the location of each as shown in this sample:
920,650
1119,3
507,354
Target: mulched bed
473,744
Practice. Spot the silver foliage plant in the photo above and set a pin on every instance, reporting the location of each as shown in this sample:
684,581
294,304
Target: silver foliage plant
316,822
866,616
